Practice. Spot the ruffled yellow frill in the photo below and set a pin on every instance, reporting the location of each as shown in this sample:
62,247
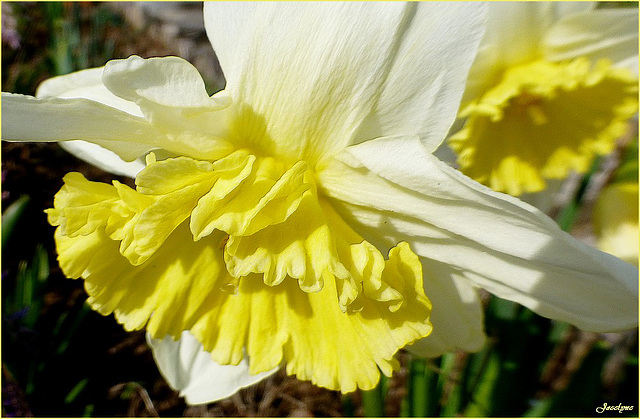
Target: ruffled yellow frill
543,120
243,253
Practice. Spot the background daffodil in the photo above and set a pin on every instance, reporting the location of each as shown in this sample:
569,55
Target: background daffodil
553,85
615,213
616,220
295,216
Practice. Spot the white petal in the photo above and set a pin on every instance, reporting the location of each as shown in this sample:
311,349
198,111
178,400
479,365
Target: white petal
25,118
88,84
191,371
568,8
422,91
103,158
392,189
165,81
457,316
85,84
517,28
172,96
514,35
179,116
603,33
331,74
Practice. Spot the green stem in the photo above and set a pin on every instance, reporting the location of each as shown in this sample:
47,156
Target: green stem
373,401
422,389
418,387
449,386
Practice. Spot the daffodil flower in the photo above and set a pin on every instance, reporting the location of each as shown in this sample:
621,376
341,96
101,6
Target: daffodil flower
298,217
616,220
553,85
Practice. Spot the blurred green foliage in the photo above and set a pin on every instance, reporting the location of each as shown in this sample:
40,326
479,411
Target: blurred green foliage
531,367
54,347
54,357
72,35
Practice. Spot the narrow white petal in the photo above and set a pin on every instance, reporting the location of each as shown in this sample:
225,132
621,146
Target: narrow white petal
603,33
88,84
393,190
325,75
457,316
139,105
25,118
103,158
191,371
61,85
85,84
